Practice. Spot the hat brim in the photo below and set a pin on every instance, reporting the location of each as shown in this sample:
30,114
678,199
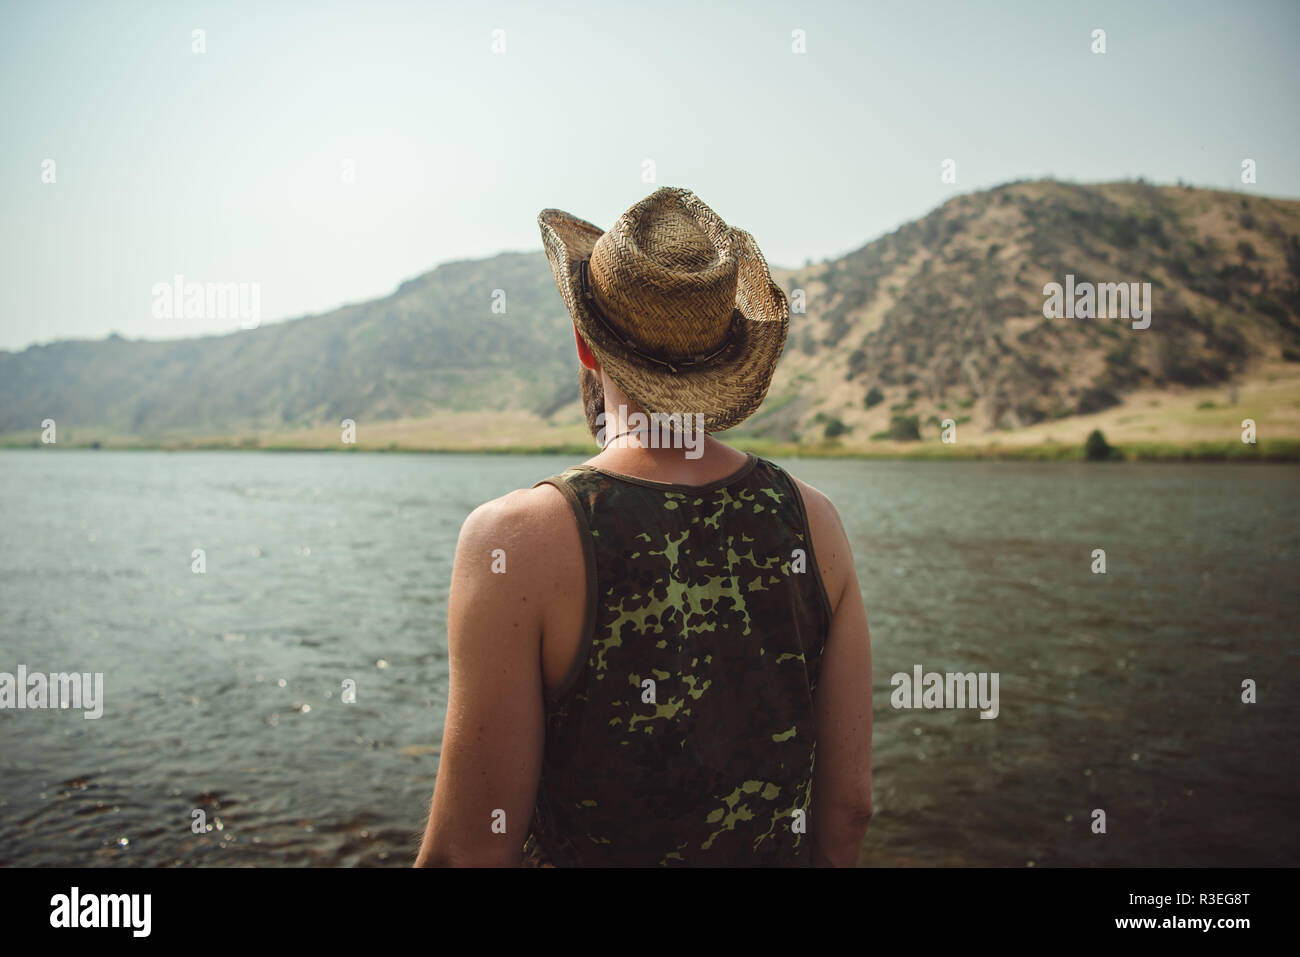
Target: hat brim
726,389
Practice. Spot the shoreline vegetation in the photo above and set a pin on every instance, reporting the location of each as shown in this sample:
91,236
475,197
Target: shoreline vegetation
1205,424
1266,450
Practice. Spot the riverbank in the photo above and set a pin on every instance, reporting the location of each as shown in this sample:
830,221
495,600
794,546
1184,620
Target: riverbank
1270,450
1191,425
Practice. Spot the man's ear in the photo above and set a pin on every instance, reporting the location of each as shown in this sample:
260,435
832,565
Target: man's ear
592,391
585,355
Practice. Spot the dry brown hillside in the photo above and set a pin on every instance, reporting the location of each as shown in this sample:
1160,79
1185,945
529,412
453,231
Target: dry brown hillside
943,318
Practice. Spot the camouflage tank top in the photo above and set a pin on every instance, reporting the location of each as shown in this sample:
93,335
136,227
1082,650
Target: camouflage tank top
685,732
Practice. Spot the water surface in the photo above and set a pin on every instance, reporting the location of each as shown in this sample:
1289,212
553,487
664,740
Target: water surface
1119,692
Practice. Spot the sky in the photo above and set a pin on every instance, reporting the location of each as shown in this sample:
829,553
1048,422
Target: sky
461,121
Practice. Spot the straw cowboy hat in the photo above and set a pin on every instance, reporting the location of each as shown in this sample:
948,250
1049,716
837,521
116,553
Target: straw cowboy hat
678,307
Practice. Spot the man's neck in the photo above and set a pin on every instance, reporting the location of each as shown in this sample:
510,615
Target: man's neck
700,462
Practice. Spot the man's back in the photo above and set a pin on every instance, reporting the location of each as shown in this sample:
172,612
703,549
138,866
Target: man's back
520,596
516,622
678,326
685,731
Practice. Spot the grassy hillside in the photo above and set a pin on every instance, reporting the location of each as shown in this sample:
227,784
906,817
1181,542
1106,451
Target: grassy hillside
435,344
940,320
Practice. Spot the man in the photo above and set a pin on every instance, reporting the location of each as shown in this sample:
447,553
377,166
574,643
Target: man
661,656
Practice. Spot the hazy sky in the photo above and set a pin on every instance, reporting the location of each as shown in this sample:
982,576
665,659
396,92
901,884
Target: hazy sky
227,165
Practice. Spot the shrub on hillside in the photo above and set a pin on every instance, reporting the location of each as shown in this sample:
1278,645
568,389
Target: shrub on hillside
857,364
1095,400
1096,448
905,428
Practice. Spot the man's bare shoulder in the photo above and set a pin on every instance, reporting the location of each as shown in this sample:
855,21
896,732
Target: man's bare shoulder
821,510
830,542
525,517
522,554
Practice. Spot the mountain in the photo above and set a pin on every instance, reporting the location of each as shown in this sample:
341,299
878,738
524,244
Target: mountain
433,344
941,319
944,318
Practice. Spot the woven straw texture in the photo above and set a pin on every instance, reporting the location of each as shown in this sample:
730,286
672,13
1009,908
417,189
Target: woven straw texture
679,308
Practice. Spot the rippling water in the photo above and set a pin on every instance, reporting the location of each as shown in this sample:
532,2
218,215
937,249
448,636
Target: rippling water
222,690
